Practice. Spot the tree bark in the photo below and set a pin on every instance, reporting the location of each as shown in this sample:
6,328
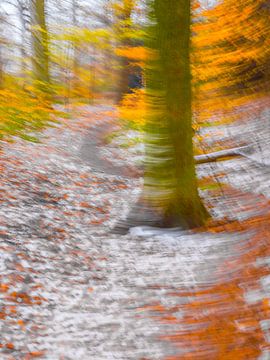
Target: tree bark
40,46
25,26
1,71
76,52
170,195
122,29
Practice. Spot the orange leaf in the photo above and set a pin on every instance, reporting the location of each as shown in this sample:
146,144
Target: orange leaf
37,353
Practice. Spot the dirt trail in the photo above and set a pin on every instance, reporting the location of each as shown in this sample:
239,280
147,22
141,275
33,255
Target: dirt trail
72,290
94,142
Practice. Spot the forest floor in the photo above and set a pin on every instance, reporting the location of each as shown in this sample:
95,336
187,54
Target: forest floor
70,289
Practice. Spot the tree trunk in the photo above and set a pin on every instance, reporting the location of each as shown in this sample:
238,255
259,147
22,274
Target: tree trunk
76,52
40,46
122,30
1,70
170,194
24,23
123,83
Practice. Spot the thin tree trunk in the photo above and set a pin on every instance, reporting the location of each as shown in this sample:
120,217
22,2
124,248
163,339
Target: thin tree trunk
123,84
75,63
1,71
40,46
122,30
24,22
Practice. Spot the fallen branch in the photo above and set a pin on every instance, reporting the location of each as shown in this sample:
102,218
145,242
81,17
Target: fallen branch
222,154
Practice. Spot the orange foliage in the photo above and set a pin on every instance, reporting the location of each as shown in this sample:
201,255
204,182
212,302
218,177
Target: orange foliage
133,109
230,57
135,53
217,320
230,61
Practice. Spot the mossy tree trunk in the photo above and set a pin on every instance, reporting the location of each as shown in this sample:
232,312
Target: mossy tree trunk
170,194
40,46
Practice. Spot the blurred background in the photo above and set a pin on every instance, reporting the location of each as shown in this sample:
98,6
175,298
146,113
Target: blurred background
134,179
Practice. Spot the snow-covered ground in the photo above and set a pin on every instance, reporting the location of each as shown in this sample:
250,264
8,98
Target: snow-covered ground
70,289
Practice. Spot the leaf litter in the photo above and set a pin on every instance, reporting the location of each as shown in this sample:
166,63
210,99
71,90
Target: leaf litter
70,289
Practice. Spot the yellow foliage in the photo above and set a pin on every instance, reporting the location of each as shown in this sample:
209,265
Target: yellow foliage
133,109
23,112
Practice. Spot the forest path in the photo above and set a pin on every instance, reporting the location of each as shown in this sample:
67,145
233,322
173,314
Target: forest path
70,289
96,140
